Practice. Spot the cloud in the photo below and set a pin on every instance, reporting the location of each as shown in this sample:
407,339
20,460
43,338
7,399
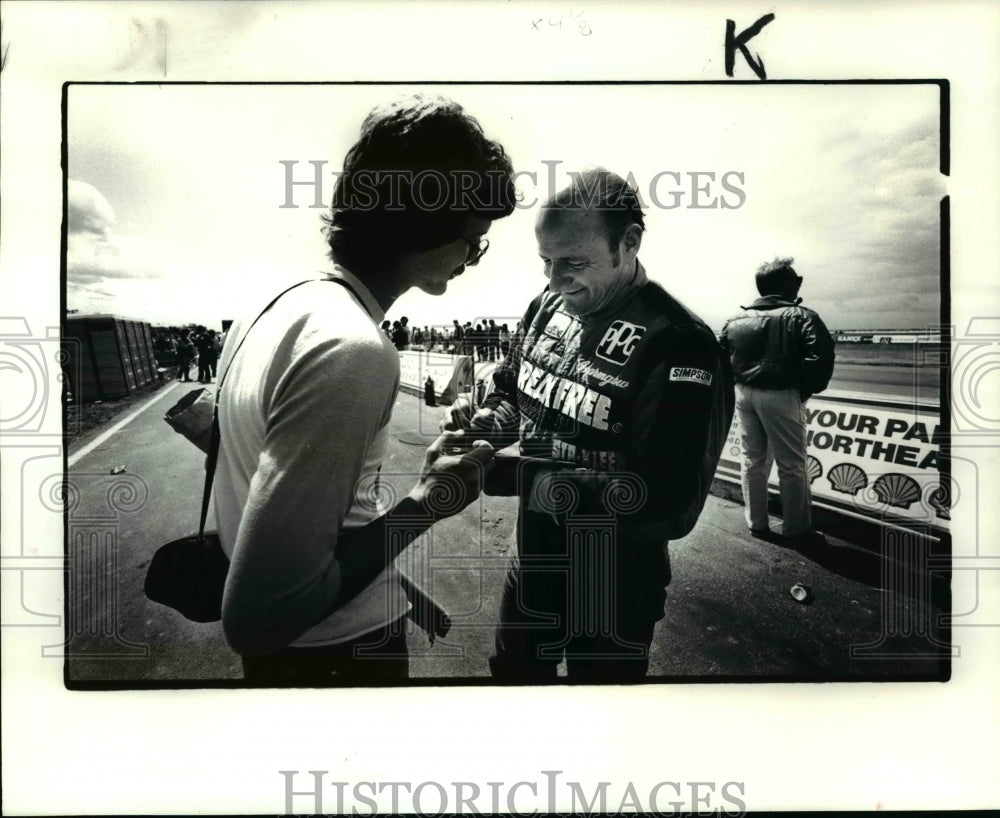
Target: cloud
89,212
92,253
147,276
97,254
869,221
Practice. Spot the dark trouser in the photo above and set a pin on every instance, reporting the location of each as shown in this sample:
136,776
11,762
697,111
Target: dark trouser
379,657
581,593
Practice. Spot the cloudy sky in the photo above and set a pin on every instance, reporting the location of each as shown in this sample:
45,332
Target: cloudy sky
176,193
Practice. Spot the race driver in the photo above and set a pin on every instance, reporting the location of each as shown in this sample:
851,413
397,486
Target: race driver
625,397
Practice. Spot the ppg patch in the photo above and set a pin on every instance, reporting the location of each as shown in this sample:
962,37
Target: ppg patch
619,341
691,375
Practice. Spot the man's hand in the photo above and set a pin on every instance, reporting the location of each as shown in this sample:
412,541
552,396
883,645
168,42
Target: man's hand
451,482
447,443
458,416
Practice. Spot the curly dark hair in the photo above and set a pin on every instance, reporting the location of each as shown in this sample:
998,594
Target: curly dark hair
605,191
420,167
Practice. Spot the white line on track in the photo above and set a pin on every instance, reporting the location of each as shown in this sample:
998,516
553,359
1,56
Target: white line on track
103,436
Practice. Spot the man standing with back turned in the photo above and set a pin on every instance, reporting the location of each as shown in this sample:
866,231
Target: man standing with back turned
782,354
621,399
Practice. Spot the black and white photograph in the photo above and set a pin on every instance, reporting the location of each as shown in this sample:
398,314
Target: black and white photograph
571,381
586,542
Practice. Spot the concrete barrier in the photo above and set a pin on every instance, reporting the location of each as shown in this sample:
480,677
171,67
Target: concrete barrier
452,374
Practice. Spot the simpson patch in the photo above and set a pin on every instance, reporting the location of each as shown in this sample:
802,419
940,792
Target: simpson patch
690,375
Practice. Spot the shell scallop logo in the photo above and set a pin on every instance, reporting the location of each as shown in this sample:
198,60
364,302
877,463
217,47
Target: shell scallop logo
897,490
847,478
813,468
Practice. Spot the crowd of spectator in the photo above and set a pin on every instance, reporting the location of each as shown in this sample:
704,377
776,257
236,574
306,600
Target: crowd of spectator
181,348
486,340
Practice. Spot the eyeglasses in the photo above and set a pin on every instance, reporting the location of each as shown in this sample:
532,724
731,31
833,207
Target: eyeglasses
477,249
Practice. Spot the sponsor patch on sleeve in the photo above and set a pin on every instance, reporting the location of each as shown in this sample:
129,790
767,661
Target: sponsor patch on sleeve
687,374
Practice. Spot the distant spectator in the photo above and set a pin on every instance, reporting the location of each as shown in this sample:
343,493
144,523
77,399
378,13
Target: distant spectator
208,356
401,333
782,354
493,340
481,343
504,341
185,357
205,349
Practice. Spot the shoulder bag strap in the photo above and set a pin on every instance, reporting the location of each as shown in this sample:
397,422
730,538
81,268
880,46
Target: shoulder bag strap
213,448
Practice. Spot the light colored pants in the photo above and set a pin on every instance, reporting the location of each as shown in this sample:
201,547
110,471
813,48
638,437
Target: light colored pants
773,427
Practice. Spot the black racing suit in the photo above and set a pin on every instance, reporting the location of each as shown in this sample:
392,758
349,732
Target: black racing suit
640,396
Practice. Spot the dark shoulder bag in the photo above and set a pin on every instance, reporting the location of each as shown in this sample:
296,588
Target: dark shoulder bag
189,574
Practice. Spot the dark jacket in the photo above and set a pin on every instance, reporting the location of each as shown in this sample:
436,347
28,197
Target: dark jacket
208,353
640,393
779,344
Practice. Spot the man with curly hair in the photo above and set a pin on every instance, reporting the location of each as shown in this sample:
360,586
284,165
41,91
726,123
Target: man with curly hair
312,596
782,353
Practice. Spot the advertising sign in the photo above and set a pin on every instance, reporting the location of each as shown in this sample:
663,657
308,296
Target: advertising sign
871,456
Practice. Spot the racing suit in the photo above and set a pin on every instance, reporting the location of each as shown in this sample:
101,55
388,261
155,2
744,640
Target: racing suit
636,400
